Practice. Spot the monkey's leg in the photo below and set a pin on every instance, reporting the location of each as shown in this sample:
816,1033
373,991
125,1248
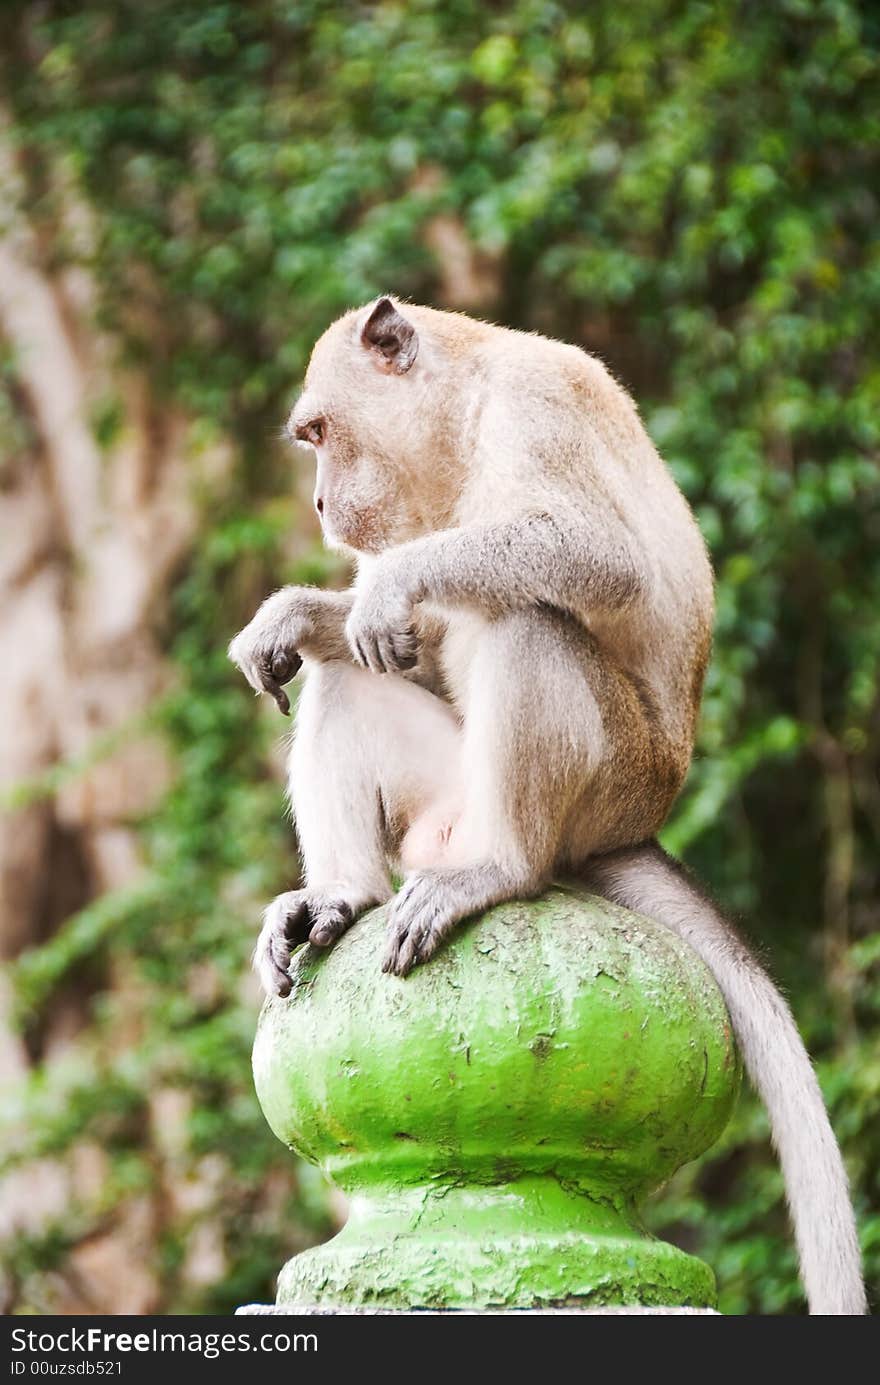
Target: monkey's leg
371,756
533,736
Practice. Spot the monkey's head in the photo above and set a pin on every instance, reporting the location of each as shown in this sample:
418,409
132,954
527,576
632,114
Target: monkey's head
372,413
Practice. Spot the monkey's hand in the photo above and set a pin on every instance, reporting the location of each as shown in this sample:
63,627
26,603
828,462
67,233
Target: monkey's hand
267,650
381,629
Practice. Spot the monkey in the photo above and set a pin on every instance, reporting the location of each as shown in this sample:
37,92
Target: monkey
509,692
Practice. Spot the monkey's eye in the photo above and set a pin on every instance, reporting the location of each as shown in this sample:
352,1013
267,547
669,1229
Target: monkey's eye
313,432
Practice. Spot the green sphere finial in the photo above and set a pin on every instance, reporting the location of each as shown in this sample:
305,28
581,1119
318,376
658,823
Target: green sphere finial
496,1117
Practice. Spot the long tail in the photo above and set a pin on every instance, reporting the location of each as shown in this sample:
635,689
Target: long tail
645,879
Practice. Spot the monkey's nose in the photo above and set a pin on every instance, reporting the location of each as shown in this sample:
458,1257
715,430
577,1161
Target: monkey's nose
319,504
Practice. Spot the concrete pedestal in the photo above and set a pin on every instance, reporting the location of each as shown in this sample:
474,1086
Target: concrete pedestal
496,1118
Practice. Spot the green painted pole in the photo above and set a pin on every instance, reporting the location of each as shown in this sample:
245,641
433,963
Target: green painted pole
496,1118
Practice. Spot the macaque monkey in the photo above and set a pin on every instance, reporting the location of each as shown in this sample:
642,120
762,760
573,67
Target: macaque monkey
509,692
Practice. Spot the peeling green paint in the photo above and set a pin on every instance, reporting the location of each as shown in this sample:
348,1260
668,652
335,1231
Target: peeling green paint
496,1117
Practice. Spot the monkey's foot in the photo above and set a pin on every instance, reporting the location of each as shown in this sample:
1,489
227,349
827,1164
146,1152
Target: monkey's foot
432,902
429,906
297,916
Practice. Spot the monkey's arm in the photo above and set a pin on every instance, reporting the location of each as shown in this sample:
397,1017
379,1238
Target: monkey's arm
579,564
576,565
293,623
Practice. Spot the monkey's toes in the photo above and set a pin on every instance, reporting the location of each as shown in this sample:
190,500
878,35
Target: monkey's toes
331,919
285,924
298,916
272,960
407,947
417,927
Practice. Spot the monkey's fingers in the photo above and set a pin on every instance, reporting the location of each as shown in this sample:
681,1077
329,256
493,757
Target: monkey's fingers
267,684
393,652
385,651
285,665
404,650
359,653
372,651
275,670
282,701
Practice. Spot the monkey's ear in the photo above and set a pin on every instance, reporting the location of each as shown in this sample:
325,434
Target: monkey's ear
390,337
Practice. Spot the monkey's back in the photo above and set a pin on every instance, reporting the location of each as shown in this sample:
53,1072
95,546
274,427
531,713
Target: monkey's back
556,433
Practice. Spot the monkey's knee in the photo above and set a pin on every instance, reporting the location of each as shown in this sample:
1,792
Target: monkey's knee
330,692
338,722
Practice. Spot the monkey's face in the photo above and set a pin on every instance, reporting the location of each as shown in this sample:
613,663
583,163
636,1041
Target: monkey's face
363,410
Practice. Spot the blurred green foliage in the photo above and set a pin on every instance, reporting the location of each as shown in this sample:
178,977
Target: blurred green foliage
689,188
